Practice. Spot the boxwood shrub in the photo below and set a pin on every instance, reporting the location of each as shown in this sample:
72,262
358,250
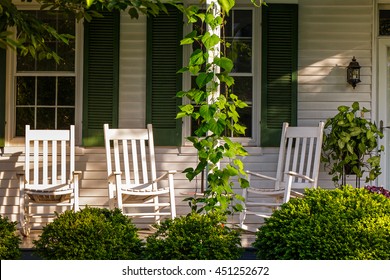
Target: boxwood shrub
89,234
345,223
9,240
193,237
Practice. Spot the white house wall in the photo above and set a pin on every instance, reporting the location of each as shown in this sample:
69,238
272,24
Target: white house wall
132,71
331,32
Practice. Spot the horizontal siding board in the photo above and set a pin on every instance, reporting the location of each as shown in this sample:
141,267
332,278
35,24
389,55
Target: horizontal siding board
132,85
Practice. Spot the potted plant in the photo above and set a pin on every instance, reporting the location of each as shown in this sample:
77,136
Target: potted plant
350,145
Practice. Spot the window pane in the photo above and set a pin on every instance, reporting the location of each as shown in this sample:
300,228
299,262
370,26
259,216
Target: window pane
243,88
66,91
25,94
46,91
245,120
47,64
25,63
24,115
240,52
45,118
65,24
67,51
243,23
65,117
384,22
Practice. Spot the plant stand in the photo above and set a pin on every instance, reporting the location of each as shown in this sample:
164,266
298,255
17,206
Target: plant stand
344,180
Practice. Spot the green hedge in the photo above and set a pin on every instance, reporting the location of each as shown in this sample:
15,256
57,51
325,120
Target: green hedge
89,234
9,240
345,223
193,237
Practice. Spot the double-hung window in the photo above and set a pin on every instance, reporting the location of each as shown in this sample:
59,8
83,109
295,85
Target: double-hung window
45,91
264,50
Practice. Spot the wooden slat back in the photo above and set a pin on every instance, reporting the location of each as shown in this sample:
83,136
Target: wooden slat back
131,151
49,156
300,152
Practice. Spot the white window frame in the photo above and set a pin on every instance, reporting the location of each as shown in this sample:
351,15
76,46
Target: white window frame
254,140
10,138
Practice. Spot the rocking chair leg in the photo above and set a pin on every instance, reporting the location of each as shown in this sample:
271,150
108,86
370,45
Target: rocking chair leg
24,223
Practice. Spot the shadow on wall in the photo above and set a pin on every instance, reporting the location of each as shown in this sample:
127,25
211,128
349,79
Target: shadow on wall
9,190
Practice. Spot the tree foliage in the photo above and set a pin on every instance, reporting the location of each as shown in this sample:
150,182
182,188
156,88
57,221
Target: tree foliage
32,34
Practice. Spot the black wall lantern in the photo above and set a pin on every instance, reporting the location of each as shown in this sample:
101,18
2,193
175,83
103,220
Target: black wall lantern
353,73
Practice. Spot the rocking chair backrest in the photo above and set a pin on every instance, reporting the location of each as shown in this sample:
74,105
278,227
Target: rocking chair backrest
49,156
300,152
126,152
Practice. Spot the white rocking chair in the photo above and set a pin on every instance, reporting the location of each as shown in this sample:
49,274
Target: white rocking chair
132,181
49,182
298,168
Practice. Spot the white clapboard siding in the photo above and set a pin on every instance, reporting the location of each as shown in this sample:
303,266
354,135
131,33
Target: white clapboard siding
132,71
330,34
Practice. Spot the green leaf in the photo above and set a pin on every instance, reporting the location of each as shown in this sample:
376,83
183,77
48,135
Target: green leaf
231,170
225,78
89,3
226,5
188,108
197,58
224,63
210,41
189,39
207,112
203,79
133,13
355,106
244,183
218,127
343,108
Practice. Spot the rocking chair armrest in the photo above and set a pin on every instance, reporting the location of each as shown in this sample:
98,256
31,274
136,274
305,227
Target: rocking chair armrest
165,175
76,173
75,177
296,194
111,177
261,175
294,174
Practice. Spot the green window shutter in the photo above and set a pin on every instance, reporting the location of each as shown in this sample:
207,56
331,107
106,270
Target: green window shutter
279,70
101,77
164,59
2,96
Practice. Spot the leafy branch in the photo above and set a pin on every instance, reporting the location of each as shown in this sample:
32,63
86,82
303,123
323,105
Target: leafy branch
215,113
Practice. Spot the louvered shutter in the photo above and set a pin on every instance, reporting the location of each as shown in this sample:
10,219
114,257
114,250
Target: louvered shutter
2,96
164,59
279,70
101,77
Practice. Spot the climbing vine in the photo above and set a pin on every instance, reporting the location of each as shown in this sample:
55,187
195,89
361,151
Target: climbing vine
213,110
